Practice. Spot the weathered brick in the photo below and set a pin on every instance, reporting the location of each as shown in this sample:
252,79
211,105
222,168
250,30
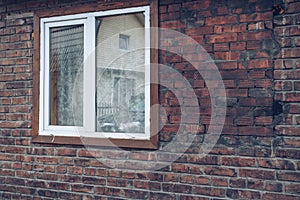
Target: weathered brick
221,20
241,162
255,184
256,26
289,176
260,174
82,188
270,196
242,194
176,188
293,188
237,183
222,182
274,186
218,192
225,37
220,171
256,17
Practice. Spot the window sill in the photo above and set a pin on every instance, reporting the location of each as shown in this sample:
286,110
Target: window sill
93,141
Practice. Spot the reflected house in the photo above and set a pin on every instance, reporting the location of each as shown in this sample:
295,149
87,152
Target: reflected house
120,73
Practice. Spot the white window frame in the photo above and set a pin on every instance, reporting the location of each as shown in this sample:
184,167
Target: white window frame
88,129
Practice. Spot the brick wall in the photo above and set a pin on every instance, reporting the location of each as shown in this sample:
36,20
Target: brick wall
257,156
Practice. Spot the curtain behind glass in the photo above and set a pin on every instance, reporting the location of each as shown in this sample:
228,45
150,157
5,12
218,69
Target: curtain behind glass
66,75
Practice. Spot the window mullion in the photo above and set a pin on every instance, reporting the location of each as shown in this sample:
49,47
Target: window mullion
147,72
89,74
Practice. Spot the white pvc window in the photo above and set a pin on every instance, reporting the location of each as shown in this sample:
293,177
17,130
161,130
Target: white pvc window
90,86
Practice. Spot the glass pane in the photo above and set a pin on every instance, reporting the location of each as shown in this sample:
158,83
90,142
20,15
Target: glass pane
121,74
66,75
123,42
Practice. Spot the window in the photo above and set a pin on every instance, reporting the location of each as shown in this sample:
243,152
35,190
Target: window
124,42
89,87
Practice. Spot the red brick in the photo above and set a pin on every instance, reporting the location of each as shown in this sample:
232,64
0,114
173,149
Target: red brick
47,160
227,55
75,170
221,20
119,182
254,36
196,5
283,85
218,29
243,121
297,85
82,188
14,22
283,20
65,152
169,16
223,11
292,97
58,186
292,188
272,196
179,188
274,186
237,46
237,183
263,83
163,9
259,174
173,24
220,171
242,194
221,47
283,74
288,153
289,176
255,184
187,179
217,192
255,74
114,173
256,17
181,168
256,26
171,178
241,162
256,64
276,164
237,92
289,131
225,37
290,53
173,7
199,30
264,120
293,7
294,142
141,156
251,45
222,182
202,180
235,28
